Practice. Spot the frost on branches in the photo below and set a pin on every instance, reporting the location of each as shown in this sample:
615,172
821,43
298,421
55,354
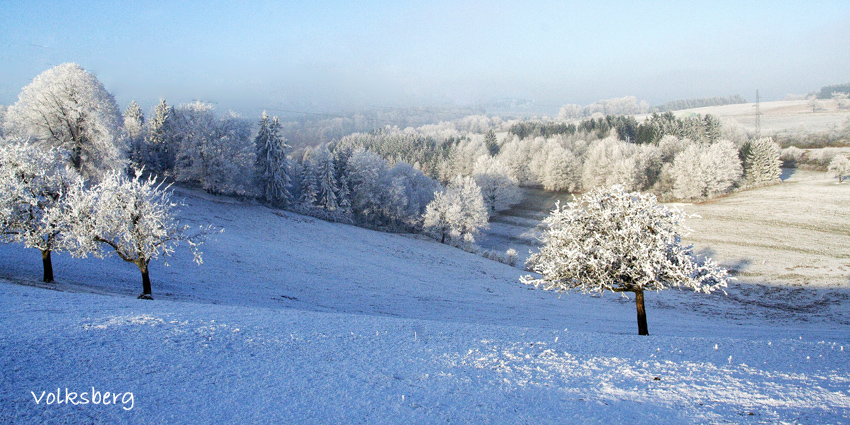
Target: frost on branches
33,184
839,167
132,216
619,241
66,106
458,212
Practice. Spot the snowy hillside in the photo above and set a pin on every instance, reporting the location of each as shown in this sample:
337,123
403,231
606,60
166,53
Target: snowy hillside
291,319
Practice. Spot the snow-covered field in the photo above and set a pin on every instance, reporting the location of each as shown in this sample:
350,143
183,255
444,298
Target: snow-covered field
292,319
784,116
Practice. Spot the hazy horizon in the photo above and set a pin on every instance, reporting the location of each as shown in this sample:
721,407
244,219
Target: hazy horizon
337,57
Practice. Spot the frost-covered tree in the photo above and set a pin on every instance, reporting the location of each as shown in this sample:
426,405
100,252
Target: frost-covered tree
840,99
326,174
133,217
67,107
159,139
34,182
610,161
366,173
614,240
762,161
458,212
814,103
307,181
417,191
214,152
498,187
491,142
705,171
562,171
839,167
271,166
134,124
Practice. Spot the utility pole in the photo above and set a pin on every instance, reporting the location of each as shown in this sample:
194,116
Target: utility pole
758,117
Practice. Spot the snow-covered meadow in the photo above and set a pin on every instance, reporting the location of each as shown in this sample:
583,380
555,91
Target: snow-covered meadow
292,319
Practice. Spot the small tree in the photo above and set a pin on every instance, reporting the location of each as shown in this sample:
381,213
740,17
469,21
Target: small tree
134,217
458,212
814,103
33,187
762,161
619,241
839,167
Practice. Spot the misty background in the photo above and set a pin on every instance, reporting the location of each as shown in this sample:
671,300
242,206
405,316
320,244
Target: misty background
326,58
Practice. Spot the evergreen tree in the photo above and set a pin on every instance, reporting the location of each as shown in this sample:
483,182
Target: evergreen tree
763,163
309,191
327,181
271,164
160,156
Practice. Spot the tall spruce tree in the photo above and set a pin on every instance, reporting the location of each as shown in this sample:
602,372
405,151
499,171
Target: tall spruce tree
271,164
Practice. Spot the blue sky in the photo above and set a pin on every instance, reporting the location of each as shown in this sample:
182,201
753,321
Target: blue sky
338,56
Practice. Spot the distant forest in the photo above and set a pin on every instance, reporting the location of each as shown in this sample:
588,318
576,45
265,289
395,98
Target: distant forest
826,91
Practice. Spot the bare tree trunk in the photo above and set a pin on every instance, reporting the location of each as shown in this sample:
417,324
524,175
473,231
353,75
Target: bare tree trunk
443,240
47,262
146,281
641,313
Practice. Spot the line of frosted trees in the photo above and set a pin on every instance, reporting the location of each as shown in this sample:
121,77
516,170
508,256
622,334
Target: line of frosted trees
64,184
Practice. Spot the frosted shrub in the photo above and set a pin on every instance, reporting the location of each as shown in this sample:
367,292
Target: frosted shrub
619,241
840,167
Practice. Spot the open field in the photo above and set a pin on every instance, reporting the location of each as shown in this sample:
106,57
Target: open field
795,233
785,116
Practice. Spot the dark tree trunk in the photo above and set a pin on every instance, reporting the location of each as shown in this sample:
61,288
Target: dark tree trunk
443,240
47,262
641,313
146,282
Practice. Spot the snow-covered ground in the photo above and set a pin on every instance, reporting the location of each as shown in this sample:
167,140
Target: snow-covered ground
784,116
292,319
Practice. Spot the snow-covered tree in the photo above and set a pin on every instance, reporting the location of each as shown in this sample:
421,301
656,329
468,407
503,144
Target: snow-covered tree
134,124
133,217
458,212
762,161
307,181
614,240
67,107
840,99
562,171
417,190
34,182
271,166
839,167
498,187
216,153
814,103
705,171
491,142
326,174
159,141
366,173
